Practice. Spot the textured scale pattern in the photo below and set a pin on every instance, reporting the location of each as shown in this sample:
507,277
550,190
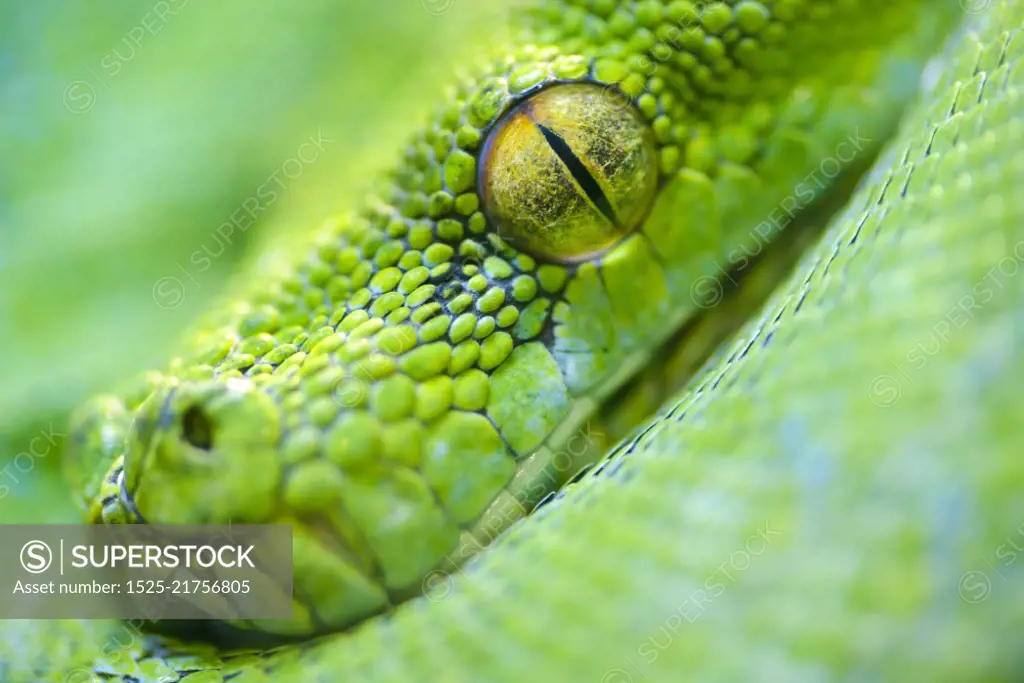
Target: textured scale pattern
417,377
806,509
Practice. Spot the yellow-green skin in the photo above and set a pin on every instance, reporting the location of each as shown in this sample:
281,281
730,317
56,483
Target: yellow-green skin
593,588
400,396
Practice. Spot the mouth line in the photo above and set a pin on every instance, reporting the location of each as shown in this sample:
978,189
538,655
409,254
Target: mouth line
126,500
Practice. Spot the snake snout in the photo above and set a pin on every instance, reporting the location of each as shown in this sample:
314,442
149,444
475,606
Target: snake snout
203,453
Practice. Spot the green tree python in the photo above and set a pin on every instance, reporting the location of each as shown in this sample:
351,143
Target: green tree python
591,221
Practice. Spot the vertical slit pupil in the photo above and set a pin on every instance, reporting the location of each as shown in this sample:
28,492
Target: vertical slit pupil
196,428
580,173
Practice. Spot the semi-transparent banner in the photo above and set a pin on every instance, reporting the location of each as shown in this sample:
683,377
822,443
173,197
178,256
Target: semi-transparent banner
145,571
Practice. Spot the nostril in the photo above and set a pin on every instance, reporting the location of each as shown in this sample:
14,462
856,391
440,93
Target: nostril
196,428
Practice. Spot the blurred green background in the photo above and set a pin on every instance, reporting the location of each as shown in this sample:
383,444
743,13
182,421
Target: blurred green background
132,130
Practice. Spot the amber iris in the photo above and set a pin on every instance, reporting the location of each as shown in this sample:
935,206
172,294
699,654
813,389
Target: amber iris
569,171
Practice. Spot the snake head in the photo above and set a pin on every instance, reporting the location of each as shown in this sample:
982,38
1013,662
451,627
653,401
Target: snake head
410,388
203,452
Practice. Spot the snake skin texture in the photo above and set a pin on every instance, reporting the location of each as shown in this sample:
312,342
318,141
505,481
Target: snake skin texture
834,495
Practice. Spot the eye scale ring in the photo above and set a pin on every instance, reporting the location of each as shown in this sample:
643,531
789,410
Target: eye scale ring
568,172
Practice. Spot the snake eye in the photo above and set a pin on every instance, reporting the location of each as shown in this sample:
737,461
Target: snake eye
569,171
